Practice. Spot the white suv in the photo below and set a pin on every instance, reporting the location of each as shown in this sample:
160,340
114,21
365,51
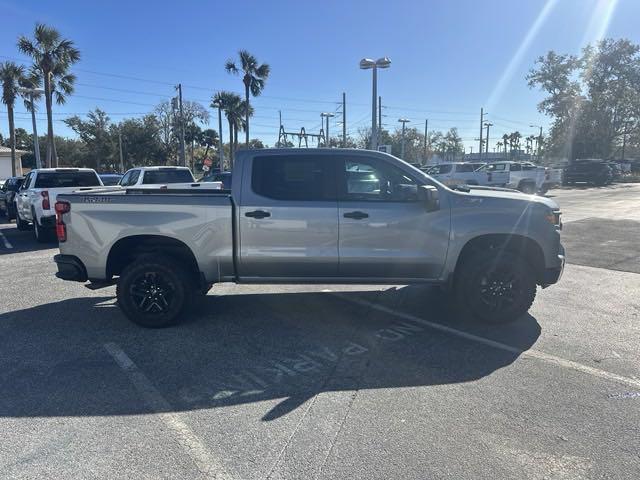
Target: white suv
36,198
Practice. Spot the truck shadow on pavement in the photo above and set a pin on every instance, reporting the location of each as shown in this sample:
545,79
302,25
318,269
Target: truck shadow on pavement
282,349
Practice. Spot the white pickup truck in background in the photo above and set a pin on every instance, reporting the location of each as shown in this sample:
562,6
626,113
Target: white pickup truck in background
36,198
524,176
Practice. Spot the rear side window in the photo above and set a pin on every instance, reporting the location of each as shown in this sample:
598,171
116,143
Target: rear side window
291,177
515,167
66,179
166,176
465,168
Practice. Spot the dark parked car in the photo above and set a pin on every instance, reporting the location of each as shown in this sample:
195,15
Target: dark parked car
7,196
110,179
224,177
588,171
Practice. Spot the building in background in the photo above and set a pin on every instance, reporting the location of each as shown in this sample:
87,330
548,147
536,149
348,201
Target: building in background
5,162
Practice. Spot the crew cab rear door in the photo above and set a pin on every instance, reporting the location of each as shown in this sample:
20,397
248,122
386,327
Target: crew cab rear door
288,217
385,231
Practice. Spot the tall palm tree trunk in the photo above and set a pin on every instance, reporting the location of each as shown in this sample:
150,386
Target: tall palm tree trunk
230,143
51,160
246,113
12,140
235,139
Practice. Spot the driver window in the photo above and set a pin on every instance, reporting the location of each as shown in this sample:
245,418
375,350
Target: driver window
377,181
27,182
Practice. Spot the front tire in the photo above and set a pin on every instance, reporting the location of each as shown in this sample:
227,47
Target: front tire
21,224
527,187
495,286
154,291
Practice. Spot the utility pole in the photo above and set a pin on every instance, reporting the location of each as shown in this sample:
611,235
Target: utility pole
487,124
344,120
183,159
120,149
482,114
404,121
426,135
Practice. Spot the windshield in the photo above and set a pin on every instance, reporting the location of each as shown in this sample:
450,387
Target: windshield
167,176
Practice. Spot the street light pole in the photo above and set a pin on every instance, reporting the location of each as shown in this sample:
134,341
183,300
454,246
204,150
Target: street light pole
404,121
327,116
366,64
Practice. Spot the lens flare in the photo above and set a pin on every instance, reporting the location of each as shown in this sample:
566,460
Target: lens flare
515,61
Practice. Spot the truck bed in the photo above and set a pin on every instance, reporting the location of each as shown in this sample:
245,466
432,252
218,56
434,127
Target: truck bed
200,219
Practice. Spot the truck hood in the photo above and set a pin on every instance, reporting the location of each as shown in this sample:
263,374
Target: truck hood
506,194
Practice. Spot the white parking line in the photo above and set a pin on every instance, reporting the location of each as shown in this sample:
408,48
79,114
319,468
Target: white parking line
204,460
6,242
532,353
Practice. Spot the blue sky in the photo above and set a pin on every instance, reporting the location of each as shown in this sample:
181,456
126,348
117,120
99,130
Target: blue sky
449,57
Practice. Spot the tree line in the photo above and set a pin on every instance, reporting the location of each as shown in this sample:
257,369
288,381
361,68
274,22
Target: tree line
593,100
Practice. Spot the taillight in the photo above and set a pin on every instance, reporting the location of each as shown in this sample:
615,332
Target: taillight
61,228
45,200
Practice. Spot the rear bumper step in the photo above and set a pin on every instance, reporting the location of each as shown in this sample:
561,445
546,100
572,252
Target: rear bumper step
70,268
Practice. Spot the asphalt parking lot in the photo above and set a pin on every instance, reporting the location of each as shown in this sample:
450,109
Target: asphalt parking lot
327,381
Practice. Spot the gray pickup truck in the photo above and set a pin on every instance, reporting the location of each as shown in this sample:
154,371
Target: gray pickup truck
325,216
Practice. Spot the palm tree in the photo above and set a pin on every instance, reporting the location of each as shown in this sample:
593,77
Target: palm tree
505,142
229,103
498,145
12,77
254,78
240,123
52,57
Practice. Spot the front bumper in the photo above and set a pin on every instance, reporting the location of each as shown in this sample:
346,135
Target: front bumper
552,275
70,268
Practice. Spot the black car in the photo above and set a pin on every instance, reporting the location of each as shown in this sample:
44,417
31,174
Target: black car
597,173
110,179
7,196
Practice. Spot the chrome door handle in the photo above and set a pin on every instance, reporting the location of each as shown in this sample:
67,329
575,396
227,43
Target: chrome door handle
257,214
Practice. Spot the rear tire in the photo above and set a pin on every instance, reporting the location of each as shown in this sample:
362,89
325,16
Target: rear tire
41,234
495,286
154,291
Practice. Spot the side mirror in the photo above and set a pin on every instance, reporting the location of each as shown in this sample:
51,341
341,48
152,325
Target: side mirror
428,195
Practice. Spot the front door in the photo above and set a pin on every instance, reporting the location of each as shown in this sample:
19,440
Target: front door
23,204
385,231
288,217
